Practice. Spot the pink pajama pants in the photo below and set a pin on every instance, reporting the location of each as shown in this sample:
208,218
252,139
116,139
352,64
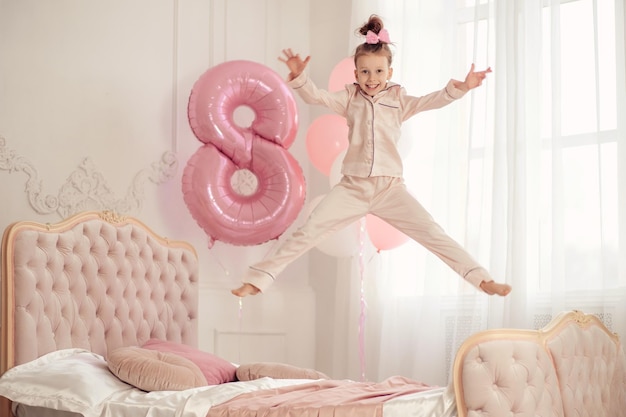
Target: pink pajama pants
353,198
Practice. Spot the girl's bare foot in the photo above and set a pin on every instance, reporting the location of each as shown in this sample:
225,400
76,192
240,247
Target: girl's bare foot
245,289
492,287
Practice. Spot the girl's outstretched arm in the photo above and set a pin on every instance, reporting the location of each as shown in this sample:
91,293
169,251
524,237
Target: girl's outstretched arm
295,64
473,79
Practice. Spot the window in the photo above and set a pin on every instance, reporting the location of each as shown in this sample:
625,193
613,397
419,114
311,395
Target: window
539,147
571,208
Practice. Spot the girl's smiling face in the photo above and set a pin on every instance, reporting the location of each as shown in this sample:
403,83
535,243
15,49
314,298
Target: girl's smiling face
372,73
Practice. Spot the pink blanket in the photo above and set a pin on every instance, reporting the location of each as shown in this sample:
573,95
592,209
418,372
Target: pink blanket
324,398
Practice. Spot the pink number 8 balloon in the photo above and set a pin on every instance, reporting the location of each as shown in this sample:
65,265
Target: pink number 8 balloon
242,186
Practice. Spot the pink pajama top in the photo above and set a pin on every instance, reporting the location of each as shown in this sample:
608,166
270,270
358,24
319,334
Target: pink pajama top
374,122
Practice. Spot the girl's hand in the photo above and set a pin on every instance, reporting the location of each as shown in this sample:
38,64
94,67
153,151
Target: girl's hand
473,79
295,64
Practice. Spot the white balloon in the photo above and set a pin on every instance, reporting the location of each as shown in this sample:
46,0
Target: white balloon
344,242
335,169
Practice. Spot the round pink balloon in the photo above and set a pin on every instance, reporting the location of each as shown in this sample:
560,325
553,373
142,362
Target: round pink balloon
242,186
382,235
326,137
342,74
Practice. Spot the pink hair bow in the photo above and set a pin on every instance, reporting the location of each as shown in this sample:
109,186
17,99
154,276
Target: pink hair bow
383,36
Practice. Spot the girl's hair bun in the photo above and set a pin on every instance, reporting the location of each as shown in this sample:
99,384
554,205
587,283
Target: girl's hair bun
374,23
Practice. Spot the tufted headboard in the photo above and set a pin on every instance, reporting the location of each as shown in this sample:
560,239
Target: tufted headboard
572,367
96,281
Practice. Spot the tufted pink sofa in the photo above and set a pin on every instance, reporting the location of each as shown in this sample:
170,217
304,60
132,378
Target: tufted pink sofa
574,367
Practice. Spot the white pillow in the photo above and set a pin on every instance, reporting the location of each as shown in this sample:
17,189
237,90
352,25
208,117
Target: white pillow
75,380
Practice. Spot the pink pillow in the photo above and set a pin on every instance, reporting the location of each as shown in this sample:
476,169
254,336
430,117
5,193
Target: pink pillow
248,372
151,370
215,369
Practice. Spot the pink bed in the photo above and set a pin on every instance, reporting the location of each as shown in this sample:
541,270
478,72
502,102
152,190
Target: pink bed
78,293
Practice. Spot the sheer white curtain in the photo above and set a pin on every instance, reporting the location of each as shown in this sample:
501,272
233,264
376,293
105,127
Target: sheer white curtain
528,172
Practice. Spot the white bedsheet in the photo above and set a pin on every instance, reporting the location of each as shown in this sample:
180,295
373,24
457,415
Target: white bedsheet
439,402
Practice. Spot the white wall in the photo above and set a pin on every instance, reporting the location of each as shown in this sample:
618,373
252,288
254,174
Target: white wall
93,102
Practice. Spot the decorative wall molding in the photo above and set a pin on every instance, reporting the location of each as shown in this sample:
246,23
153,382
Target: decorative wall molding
86,187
